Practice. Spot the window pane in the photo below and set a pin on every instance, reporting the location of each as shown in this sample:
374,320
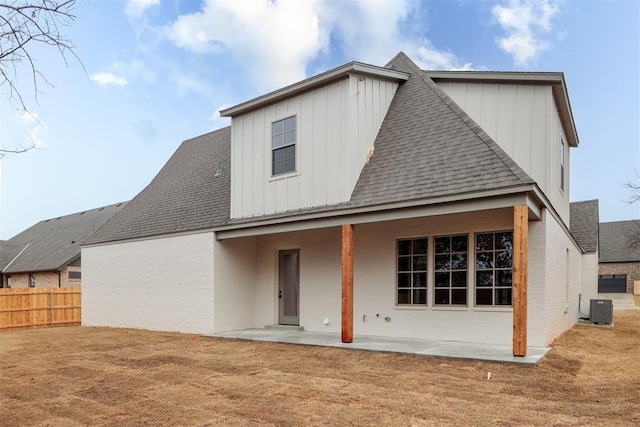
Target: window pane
419,296
484,296
484,278
277,141
404,296
504,278
290,152
420,246
459,261
420,280
459,296
277,127
459,244
420,263
441,245
404,263
459,279
290,137
484,242
503,259
442,279
503,296
404,247
289,165
278,155
442,262
404,280
484,260
504,240
441,296
278,167
290,123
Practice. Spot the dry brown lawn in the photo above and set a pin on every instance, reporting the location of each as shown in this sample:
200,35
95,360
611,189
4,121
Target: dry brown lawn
101,376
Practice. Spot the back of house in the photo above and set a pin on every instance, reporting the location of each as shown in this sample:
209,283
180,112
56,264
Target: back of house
446,192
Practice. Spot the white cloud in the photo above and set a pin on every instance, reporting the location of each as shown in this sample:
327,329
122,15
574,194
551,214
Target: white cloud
108,79
35,134
429,58
217,120
278,39
26,117
135,8
524,22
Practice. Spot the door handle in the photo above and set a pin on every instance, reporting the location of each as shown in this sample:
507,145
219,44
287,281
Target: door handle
279,294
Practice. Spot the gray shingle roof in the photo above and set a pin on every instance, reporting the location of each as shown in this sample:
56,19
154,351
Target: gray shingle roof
8,252
620,241
427,147
53,243
185,195
583,222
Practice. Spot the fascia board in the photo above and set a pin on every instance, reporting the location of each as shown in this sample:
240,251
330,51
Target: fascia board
318,80
439,206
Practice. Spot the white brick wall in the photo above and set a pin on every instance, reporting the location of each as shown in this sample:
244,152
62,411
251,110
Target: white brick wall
374,282
563,280
168,283
161,284
235,278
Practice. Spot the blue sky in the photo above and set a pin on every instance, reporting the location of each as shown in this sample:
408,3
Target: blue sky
157,72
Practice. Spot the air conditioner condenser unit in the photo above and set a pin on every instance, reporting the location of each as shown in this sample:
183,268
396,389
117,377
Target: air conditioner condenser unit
601,311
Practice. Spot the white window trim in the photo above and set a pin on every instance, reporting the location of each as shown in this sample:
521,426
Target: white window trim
295,172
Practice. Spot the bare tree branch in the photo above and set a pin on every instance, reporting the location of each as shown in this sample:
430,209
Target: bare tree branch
24,25
633,234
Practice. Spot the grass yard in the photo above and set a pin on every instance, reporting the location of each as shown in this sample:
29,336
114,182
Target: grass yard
100,376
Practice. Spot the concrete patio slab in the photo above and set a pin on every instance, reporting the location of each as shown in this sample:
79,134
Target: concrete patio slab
416,347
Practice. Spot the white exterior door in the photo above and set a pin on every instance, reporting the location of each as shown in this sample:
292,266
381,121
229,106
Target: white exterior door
289,286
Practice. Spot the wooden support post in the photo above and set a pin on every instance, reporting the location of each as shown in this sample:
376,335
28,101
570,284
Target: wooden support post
520,255
347,283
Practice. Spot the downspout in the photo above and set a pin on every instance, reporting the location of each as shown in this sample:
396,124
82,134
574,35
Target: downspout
58,273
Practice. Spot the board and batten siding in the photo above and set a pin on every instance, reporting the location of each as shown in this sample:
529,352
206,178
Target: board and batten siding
336,126
524,120
162,284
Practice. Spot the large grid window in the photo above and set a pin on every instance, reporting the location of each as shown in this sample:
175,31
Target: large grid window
283,146
412,271
450,270
494,268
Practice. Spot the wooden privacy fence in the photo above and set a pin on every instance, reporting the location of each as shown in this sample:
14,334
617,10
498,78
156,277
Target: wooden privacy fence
25,308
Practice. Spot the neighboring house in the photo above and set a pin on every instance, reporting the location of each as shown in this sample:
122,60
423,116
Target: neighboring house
48,253
584,227
386,201
619,256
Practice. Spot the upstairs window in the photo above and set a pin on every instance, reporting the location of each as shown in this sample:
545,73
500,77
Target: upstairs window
283,146
562,165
